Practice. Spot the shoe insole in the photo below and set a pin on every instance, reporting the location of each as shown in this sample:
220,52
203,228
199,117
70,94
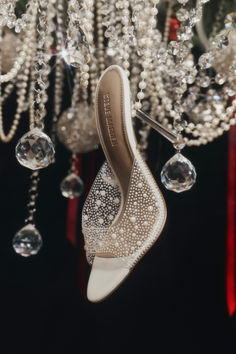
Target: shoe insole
112,128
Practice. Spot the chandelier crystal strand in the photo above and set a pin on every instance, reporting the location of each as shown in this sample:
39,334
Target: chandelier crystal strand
59,69
72,185
100,37
22,82
179,174
30,14
110,12
200,131
78,38
8,17
211,130
167,21
28,241
125,20
146,74
35,149
93,64
88,28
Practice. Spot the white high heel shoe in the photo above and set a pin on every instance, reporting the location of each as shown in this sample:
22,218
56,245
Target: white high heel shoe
125,212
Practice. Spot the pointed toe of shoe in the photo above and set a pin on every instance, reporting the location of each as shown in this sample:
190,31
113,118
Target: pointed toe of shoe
106,275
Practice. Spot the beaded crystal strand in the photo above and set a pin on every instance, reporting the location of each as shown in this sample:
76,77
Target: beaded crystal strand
35,149
21,67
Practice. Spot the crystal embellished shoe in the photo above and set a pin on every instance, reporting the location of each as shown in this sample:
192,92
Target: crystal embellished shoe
125,212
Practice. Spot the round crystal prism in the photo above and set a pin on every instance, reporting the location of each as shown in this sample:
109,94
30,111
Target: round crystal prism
72,186
35,150
178,174
27,241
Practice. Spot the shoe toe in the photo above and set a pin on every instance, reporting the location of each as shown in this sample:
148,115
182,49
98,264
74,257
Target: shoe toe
105,277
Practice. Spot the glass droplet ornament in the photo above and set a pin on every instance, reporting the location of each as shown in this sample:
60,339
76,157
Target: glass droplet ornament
72,186
35,150
27,241
77,130
178,174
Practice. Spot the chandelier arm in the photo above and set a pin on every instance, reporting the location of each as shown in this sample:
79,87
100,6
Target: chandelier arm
173,138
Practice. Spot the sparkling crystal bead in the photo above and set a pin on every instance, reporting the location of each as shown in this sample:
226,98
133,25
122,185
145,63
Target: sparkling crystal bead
190,76
182,15
220,42
72,186
203,81
77,51
185,33
230,20
229,91
195,15
220,78
179,144
178,174
27,241
206,60
35,150
179,124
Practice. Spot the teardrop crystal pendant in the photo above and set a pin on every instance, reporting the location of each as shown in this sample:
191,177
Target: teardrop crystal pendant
72,186
178,174
77,51
27,241
35,150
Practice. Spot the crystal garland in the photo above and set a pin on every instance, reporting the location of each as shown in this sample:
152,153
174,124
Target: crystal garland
134,41
184,93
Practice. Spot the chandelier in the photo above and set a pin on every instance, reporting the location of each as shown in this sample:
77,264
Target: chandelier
182,81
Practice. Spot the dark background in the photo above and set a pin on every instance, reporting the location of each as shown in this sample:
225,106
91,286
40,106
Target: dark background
174,300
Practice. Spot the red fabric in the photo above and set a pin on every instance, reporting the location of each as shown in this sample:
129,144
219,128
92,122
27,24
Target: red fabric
174,26
72,210
82,255
231,226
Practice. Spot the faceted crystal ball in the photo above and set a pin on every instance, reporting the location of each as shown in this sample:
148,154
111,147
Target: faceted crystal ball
28,241
77,129
178,174
35,150
72,186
